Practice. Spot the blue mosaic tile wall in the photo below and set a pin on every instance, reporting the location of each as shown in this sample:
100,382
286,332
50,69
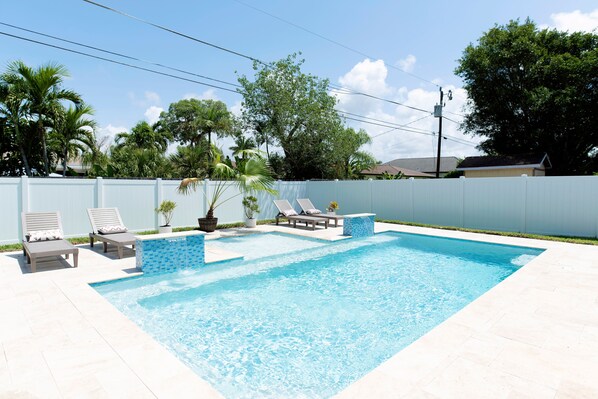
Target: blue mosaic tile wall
165,255
359,226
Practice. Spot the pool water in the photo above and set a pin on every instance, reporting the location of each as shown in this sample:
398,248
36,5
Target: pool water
307,325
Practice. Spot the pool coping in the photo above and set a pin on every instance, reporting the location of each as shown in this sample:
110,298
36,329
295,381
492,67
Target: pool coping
532,335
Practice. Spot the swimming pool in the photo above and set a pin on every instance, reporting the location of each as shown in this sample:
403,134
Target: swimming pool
310,323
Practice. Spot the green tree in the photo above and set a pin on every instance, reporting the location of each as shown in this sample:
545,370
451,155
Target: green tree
345,156
294,111
43,93
138,162
73,133
190,161
534,90
145,137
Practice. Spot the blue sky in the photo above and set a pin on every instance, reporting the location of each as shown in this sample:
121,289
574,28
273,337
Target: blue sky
425,38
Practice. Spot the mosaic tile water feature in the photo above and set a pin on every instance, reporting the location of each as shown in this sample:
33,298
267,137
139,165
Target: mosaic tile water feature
164,253
359,225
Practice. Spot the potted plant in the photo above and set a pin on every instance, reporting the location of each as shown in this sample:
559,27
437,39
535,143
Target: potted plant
332,207
251,207
248,175
166,208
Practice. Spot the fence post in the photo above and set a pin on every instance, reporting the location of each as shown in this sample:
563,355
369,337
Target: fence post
523,224
412,189
99,192
462,180
371,184
335,191
24,201
158,201
206,190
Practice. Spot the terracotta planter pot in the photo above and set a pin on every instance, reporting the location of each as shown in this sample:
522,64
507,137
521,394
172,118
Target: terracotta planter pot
207,225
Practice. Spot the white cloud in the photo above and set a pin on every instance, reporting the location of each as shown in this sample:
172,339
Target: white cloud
110,130
574,21
388,144
407,64
236,109
152,114
209,94
152,97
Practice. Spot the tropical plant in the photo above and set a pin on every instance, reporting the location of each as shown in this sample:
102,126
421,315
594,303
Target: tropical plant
250,206
166,208
73,133
190,161
249,176
388,176
42,93
144,136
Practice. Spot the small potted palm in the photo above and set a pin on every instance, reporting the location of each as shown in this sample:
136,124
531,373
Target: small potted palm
251,207
166,208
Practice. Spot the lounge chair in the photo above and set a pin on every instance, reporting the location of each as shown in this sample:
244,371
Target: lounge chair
43,236
286,211
307,208
108,228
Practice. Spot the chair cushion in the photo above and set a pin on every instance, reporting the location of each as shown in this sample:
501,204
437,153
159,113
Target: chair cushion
44,235
112,229
313,211
289,212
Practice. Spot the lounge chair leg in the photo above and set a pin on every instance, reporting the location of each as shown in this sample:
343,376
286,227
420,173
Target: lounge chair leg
105,246
91,241
66,256
120,252
76,259
33,265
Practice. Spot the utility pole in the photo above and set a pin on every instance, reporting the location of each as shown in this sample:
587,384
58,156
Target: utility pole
438,114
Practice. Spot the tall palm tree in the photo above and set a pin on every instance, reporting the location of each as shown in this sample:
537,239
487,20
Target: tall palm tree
13,107
145,137
42,87
73,133
244,147
215,119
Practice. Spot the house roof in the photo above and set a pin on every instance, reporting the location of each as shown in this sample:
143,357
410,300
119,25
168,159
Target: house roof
378,170
531,160
426,165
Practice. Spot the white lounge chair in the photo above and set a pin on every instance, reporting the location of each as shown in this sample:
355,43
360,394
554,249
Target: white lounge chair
43,236
286,211
308,208
105,223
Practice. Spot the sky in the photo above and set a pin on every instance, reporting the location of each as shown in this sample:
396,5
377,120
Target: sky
396,50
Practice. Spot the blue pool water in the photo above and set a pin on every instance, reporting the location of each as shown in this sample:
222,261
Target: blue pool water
308,324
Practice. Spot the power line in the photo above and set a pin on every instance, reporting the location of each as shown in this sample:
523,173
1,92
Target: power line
394,127
388,122
172,31
406,124
117,62
332,41
454,113
232,51
132,58
449,119
119,54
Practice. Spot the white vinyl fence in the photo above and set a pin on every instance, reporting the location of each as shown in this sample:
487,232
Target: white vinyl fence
135,199
565,206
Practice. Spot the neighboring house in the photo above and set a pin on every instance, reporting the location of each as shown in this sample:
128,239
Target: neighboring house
379,170
76,165
426,165
505,165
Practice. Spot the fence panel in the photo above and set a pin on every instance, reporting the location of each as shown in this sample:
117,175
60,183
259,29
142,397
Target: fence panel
136,201
564,205
438,202
189,207
10,210
392,199
69,197
322,192
494,204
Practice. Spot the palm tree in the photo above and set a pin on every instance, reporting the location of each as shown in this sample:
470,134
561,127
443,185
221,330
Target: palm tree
190,161
145,137
13,107
244,147
215,119
43,91
73,133
249,176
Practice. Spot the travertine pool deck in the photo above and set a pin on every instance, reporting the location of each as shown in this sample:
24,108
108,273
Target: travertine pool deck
535,335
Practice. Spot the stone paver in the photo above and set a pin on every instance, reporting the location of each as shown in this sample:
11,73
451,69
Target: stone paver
535,335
